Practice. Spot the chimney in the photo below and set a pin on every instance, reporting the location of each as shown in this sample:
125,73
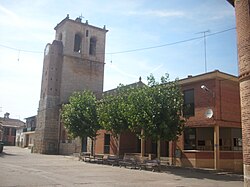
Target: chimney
6,115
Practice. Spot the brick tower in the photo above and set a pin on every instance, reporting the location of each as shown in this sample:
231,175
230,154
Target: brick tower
73,62
242,12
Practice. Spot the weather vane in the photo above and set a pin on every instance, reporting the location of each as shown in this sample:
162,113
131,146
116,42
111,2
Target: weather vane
81,17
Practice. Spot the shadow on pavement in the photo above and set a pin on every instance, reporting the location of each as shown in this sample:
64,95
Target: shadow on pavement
4,154
202,174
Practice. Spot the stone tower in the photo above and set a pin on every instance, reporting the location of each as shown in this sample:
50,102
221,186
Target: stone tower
73,62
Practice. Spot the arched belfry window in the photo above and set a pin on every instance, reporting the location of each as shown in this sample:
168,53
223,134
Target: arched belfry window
60,37
77,43
92,46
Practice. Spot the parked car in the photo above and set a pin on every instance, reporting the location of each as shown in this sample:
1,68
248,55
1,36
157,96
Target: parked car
1,146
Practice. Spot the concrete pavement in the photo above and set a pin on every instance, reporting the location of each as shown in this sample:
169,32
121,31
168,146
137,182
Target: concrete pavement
18,167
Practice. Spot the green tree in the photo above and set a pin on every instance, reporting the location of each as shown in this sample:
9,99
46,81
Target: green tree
112,110
155,111
80,115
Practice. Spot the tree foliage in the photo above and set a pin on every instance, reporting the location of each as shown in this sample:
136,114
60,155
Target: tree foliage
157,109
80,115
112,110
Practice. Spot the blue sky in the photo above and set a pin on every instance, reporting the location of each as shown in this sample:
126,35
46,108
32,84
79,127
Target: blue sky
133,24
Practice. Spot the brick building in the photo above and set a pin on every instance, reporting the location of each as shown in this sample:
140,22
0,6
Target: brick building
214,142
211,140
8,128
73,62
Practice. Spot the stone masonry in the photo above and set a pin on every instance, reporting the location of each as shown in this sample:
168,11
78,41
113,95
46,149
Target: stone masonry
73,62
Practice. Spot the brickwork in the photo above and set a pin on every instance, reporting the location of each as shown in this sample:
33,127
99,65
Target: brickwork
128,143
242,9
99,143
223,98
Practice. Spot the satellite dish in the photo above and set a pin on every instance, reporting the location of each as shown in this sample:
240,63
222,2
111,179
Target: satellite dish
209,113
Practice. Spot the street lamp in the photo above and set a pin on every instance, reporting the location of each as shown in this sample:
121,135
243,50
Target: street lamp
206,89
209,114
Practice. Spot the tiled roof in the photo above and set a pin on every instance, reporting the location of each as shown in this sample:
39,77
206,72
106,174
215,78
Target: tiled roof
8,122
133,85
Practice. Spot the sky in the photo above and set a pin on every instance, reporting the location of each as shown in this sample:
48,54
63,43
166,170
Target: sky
144,37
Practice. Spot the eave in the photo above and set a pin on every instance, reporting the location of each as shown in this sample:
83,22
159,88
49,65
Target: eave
231,2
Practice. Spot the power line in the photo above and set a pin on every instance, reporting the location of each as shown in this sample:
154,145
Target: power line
173,43
138,49
20,50
158,46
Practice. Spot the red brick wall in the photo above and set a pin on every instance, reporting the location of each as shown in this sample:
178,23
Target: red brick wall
242,9
9,139
225,103
128,143
202,101
230,101
99,143
231,155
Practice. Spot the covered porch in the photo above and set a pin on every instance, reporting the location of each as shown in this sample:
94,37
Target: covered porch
211,147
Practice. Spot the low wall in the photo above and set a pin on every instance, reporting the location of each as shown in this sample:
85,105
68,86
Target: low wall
229,160
69,148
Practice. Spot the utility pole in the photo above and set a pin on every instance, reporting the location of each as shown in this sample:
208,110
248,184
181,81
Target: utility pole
205,47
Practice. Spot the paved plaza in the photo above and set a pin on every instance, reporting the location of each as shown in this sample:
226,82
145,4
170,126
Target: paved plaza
18,167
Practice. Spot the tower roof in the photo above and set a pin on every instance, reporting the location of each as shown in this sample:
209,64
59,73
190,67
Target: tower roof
78,21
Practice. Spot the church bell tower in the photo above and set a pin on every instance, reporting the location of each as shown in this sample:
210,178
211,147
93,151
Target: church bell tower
73,62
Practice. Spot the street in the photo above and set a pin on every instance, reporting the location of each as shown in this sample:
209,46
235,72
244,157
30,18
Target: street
19,167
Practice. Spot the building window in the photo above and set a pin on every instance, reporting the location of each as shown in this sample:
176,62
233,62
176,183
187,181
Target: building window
92,46
106,143
13,132
190,139
188,107
77,43
237,143
60,37
7,131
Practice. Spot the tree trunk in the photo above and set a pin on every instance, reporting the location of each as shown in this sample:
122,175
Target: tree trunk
118,145
142,143
81,139
92,147
158,148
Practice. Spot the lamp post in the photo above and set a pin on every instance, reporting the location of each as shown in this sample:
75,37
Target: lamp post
216,131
